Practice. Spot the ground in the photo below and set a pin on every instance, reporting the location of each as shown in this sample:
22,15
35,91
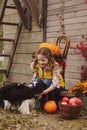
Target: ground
40,120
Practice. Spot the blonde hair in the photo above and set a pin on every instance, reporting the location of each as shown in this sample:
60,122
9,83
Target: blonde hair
47,53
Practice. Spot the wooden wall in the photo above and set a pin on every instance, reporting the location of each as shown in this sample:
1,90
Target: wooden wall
70,17
28,43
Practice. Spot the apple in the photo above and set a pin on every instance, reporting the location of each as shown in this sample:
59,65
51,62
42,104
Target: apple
65,99
64,103
79,101
72,100
75,101
72,104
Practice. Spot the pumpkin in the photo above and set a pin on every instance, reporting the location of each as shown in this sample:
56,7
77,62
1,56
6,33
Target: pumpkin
54,48
50,106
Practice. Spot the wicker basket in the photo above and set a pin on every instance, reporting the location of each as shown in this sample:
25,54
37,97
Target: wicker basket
69,112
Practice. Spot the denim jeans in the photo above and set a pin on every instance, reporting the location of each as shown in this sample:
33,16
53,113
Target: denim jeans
46,81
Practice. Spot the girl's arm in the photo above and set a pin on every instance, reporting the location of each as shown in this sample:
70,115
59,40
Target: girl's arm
34,77
51,88
55,82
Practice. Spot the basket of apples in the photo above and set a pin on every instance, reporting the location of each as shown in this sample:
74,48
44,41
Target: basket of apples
70,108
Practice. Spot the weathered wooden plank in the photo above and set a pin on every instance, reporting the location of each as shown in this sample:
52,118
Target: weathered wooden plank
31,37
28,48
73,39
74,26
20,78
78,32
67,21
22,58
75,20
73,75
11,18
81,13
34,28
73,2
68,9
53,2
73,68
21,69
76,63
10,11
70,82
68,2
10,2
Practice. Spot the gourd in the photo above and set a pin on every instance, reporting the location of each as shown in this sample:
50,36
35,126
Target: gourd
54,48
50,106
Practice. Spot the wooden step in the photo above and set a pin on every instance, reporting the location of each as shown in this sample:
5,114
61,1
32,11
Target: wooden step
9,23
10,7
5,55
2,70
7,40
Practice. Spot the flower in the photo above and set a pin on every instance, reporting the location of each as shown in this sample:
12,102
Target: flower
83,48
86,1
80,89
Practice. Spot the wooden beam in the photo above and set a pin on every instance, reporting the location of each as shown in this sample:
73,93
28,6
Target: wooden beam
2,10
29,21
44,19
21,12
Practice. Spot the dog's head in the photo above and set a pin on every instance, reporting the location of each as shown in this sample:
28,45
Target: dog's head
37,87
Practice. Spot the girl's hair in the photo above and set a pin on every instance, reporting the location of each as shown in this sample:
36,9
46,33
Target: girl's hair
47,53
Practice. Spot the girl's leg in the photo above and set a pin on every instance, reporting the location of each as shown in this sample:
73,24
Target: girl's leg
37,80
43,99
51,95
47,82
57,94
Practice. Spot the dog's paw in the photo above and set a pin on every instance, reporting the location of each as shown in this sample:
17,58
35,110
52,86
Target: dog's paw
24,107
27,106
7,105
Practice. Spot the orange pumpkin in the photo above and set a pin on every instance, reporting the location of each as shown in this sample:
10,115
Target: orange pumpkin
50,106
54,48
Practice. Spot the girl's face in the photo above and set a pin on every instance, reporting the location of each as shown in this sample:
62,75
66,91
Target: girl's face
42,60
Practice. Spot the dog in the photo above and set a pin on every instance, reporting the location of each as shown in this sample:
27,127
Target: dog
21,95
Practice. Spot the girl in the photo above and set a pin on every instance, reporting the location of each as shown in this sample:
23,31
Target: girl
46,69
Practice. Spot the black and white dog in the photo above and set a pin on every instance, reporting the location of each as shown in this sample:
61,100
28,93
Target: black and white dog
21,95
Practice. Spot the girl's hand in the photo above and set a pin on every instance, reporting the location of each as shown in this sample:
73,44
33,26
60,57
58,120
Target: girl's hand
43,93
37,95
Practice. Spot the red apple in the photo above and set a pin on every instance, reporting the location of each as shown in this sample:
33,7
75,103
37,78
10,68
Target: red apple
64,103
72,104
65,99
79,101
72,100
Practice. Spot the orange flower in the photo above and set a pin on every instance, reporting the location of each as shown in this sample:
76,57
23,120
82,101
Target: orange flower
80,89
